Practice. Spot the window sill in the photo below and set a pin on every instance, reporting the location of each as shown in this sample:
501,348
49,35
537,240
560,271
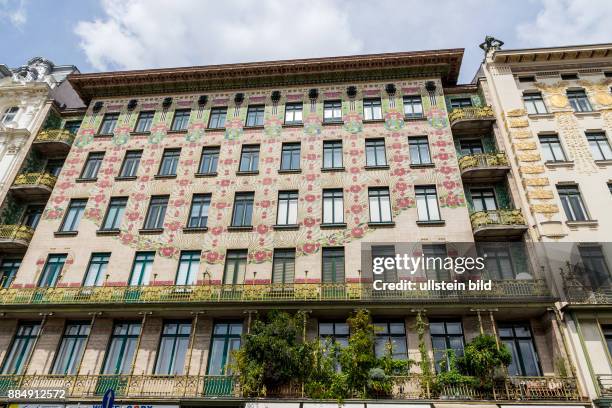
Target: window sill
176,132
289,171
541,115
331,169
247,173
587,223
147,133
219,129
65,233
237,228
108,232
293,125
333,122
435,223
103,135
414,118
150,231
381,224
337,225
164,176
125,178
190,230
253,127
286,227
554,164
205,174
373,121
603,163
86,180
588,113
422,166
382,167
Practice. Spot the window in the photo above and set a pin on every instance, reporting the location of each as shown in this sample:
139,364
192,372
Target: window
92,165
607,332
332,154
173,347
372,109
243,210
600,146
255,115
249,159
225,340
391,340
334,332
498,263
332,111
54,166
460,103
156,213
51,271
571,199
21,348
141,269
470,147
534,103
287,208
375,152
551,148
114,213
527,78
143,124
413,107
290,156
109,122
569,77
385,252
96,270
217,118
333,206
73,215
427,203
129,168
121,349
419,150
72,126
380,204
483,199
209,160
578,101
235,267
517,337
595,266
188,268
32,215
180,120
71,349
446,339
198,214
9,114
293,113
169,162
8,270
283,266
333,265
435,270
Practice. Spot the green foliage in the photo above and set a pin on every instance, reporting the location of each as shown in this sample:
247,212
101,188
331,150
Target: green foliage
32,163
482,357
53,121
11,211
425,363
450,377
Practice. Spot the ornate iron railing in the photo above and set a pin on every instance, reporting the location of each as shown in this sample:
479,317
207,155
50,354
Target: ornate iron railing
299,292
576,283
604,382
483,160
16,232
471,113
409,387
44,179
496,217
55,135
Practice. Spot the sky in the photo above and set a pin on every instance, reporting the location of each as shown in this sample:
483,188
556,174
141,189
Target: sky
106,35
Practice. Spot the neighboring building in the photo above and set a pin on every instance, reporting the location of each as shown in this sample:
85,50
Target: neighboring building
555,105
36,131
194,198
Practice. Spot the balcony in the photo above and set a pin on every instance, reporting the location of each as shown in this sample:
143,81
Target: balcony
33,186
411,387
53,142
509,291
484,167
498,224
579,290
604,383
15,237
471,118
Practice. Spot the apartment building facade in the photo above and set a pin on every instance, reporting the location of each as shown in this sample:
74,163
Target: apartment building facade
194,200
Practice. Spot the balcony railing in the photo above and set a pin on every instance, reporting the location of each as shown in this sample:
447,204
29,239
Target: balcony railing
35,179
604,382
16,233
502,290
55,135
471,113
497,219
483,160
578,289
410,387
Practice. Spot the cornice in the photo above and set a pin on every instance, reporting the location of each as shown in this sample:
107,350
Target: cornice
547,58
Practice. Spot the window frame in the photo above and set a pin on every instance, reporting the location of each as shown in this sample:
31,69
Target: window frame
374,108
8,275
173,369
229,339
94,159
161,201
204,200
293,111
191,258
420,146
333,106
72,217
289,149
102,266
249,159
114,120
26,348
132,159
337,256
332,147
286,256
600,139
180,116
52,270
118,216
148,121
373,148
71,366
246,198
548,142
413,101
333,194
530,101
447,338
171,156
515,338
239,259
427,194
378,194
218,117
122,363
579,100
565,196
145,267
291,198
210,153
255,115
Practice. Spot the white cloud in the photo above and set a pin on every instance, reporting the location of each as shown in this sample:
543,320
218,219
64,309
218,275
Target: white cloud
14,12
567,22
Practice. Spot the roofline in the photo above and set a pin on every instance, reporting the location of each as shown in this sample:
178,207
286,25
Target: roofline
445,62
552,54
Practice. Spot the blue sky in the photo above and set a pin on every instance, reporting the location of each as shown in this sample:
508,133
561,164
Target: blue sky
98,35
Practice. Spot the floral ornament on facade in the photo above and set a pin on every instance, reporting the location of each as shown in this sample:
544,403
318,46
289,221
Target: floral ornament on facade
234,129
85,137
437,118
312,124
273,126
394,120
353,122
